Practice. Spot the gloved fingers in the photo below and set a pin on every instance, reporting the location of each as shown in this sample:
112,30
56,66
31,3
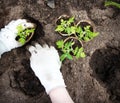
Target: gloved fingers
25,24
38,46
17,22
27,47
60,63
32,49
45,46
20,21
52,48
6,34
57,55
28,25
10,24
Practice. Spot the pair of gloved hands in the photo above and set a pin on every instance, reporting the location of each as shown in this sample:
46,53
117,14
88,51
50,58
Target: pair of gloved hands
44,61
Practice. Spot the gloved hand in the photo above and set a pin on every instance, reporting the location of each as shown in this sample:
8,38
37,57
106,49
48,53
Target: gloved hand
9,33
46,64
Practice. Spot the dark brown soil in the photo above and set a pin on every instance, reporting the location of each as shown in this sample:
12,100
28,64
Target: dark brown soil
94,79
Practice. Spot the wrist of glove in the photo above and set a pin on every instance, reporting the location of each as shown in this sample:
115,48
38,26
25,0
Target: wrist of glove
8,35
52,81
46,65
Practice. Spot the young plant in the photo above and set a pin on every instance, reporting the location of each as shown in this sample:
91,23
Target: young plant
79,52
66,26
68,51
111,3
85,34
23,34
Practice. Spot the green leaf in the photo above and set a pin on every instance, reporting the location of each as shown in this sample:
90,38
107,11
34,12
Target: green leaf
75,51
88,34
81,49
94,34
82,55
79,30
63,23
59,28
86,39
28,32
19,28
23,33
73,29
60,43
77,55
111,3
69,56
71,20
87,28
63,56
68,30
68,46
22,41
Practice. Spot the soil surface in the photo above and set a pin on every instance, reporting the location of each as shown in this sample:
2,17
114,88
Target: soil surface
94,79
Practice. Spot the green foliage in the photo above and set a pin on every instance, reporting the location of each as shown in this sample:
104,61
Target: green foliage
66,48
68,51
65,26
23,33
79,52
69,48
111,3
86,34
60,43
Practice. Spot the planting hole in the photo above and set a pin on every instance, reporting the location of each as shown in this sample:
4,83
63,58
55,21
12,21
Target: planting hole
106,69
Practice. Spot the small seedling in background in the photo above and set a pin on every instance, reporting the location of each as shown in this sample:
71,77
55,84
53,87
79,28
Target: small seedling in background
86,34
79,53
66,26
68,51
23,34
111,3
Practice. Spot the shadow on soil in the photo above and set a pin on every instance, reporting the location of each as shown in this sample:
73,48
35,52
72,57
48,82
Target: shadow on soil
105,63
39,32
25,80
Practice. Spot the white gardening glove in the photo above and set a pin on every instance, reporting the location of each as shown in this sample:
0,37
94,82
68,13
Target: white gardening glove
9,33
46,64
